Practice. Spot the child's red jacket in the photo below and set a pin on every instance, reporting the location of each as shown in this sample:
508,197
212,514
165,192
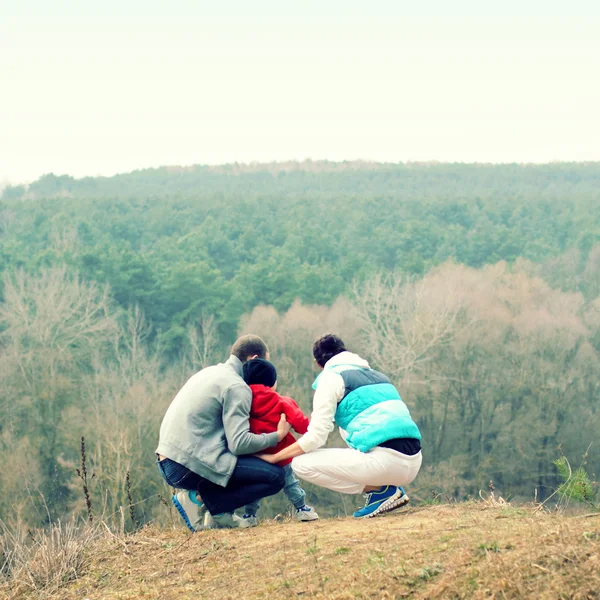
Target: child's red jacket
267,406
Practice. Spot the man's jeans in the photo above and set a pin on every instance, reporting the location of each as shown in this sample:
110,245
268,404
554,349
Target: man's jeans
291,489
251,480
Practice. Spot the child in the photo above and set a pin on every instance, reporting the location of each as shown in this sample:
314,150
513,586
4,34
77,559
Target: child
267,406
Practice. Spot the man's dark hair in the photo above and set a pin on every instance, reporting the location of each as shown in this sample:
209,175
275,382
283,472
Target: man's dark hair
249,346
327,347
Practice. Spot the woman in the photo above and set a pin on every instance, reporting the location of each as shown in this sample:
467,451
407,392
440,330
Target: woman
384,442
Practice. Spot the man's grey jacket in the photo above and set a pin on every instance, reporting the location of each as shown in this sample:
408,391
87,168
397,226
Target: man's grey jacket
206,426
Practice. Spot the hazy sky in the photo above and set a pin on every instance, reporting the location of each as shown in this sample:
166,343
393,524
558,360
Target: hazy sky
103,87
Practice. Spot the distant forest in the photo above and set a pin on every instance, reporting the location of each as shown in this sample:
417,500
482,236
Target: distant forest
179,241
476,287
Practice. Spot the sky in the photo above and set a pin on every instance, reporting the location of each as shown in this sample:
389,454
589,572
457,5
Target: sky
90,88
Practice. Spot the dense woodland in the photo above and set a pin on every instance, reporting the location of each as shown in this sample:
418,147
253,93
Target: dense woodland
476,288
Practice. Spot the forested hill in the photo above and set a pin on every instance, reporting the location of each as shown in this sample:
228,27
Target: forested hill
115,290
221,240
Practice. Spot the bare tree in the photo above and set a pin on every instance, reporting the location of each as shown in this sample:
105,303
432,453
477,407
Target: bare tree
403,321
64,239
53,313
202,338
52,324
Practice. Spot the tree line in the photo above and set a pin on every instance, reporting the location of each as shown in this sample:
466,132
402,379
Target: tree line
484,309
220,241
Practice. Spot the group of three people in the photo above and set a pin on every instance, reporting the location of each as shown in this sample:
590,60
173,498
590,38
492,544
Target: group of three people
225,439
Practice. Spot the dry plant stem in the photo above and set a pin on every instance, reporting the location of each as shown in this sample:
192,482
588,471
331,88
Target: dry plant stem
130,501
82,474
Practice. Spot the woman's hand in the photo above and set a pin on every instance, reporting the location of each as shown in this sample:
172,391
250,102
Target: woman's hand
289,452
270,458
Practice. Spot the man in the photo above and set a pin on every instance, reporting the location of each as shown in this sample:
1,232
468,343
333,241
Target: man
205,437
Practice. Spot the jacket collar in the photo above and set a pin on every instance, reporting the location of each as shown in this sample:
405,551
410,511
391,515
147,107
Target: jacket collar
235,363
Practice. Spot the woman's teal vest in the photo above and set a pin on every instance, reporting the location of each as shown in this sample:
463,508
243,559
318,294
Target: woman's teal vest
371,411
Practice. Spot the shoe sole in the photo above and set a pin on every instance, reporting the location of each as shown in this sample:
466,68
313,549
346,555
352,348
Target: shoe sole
182,513
399,503
392,503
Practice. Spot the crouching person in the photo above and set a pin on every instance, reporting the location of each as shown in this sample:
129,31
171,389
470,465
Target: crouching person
384,442
205,442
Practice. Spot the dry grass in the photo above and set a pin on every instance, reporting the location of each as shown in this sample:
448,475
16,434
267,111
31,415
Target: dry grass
471,551
41,563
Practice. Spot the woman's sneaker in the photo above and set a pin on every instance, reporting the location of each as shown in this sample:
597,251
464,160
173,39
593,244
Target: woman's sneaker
306,513
191,513
385,499
248,521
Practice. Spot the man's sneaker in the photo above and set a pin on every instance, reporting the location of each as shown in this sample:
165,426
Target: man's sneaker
221,521
248,521
306,513
191,513
387,498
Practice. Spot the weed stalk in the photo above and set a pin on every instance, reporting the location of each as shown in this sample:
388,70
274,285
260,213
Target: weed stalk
83,475
130,501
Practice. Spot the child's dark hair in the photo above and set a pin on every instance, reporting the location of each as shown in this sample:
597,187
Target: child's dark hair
259,371
327,347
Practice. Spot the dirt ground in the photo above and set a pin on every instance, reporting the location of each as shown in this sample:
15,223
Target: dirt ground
471,551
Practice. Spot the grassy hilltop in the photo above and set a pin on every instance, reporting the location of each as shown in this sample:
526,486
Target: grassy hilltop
471,550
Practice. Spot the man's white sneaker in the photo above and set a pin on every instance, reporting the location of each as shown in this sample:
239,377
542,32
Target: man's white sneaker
248,521
191,513
221,521
306,513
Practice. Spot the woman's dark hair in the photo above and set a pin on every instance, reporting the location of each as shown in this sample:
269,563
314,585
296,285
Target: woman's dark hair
327,347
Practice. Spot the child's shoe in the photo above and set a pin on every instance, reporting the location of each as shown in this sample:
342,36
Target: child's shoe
306,513
221,521
248,521
385,499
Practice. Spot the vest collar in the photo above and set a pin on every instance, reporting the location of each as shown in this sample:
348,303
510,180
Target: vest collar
343,359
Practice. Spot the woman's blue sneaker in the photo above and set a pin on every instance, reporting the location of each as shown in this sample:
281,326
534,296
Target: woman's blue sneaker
385,499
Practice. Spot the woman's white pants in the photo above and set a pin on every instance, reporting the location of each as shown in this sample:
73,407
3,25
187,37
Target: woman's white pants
348,471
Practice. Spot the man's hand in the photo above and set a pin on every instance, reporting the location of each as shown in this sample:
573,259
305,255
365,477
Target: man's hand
283,427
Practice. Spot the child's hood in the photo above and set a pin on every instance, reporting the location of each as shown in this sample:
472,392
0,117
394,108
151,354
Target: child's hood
264,400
